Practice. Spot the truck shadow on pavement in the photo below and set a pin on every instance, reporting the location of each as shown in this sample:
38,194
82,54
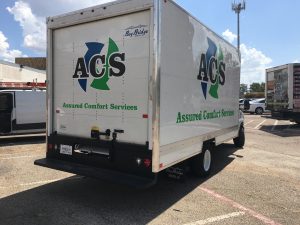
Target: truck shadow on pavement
282,130
21,140
79,200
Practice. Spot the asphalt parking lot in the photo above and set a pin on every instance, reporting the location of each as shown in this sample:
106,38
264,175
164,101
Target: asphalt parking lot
259,184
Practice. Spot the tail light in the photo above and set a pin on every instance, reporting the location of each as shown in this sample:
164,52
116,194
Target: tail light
147,162
50,147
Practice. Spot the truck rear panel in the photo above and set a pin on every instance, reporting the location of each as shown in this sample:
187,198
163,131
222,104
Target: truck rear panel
101,77
99,67
277,88
296,88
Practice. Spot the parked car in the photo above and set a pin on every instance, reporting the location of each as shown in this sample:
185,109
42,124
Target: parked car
257,106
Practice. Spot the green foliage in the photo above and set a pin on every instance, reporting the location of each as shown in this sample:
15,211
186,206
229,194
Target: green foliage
243,88
257,87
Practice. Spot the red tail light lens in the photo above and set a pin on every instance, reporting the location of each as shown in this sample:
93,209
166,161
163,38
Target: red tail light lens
147,162
50,146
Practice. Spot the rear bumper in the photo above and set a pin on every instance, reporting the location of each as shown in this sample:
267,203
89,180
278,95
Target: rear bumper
99,173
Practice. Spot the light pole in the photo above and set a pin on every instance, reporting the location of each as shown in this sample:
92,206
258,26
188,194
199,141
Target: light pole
237,8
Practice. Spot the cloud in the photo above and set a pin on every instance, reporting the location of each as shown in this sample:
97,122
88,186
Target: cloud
254,63
49,8
34,28
31,15
296,61
229,36
6,53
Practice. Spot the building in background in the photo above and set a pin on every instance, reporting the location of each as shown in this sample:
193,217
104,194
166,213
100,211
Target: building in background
11,72
33,62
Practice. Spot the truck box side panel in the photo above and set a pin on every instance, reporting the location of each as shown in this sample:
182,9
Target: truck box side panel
111,92
30,107
193,109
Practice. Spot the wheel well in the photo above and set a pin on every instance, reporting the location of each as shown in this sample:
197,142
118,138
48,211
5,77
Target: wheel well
210,143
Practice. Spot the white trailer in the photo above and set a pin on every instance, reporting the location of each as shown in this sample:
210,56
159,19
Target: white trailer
283,91
22,111
136,87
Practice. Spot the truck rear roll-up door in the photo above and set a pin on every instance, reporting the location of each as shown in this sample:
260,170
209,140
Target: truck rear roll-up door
100,77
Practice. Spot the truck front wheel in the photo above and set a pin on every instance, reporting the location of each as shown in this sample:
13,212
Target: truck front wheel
239,141
201,163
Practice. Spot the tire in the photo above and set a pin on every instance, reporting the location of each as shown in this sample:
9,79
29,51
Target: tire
239,141
259,110
201,164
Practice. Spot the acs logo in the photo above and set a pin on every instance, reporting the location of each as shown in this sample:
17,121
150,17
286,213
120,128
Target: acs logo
100,67
212,70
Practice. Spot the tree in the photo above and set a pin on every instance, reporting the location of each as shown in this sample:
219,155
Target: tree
257,87
243,90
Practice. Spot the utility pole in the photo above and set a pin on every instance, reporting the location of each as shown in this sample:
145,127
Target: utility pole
237,8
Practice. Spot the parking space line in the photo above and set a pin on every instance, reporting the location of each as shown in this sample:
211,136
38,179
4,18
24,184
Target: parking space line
234,204
249,122
50,181
41,182
260,124
290,124
274,126
216,218
17,157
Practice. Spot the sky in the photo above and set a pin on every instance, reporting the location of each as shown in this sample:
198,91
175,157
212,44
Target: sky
270,35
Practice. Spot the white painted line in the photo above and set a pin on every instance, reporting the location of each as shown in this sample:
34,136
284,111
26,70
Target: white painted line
249,122
18,157
274,126
41,182
260,124
18,153
289,126
216,218
234,204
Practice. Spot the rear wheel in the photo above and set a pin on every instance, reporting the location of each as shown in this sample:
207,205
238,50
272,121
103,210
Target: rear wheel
259,110
201,163
239,141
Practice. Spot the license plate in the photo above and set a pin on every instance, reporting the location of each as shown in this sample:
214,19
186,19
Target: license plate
66,149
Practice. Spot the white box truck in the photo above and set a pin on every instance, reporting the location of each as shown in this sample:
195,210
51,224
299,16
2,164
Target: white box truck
136,87
21,111
283,91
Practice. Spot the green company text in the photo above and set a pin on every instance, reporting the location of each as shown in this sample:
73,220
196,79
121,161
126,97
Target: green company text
99,106
203,115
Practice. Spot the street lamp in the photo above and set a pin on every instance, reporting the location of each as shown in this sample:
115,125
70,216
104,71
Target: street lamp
237,8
